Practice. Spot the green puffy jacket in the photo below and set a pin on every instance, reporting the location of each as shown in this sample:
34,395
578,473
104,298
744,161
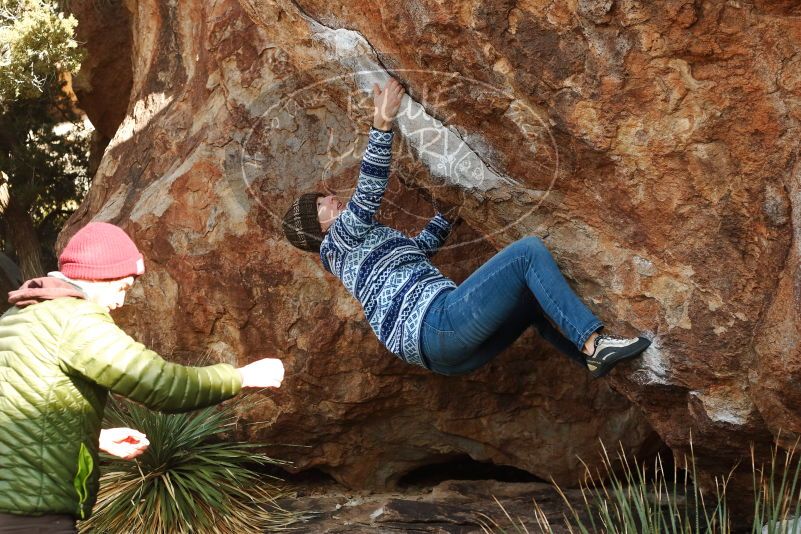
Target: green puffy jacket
58,361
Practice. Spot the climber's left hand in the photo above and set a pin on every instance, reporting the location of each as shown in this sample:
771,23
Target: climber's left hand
387,102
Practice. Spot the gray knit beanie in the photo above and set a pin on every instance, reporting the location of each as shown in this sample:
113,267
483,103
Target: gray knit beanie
301,225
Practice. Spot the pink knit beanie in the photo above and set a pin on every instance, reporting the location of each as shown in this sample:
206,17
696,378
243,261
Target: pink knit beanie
101,251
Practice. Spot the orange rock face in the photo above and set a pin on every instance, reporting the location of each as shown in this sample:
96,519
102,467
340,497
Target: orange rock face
652,145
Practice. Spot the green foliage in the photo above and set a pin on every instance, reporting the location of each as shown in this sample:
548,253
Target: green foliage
44,158
189,480
36,43
639,502
48,158
44,141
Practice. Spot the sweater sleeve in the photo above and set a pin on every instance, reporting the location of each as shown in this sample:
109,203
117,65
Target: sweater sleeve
357,219
100,351
434,235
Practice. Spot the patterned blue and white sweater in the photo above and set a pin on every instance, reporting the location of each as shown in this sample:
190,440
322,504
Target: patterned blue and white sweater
387,271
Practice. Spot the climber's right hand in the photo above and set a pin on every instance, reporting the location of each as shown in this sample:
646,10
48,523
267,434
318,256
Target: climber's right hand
443,205
451,212
266,373
387,102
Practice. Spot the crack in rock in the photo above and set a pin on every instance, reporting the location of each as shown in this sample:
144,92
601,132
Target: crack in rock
440,147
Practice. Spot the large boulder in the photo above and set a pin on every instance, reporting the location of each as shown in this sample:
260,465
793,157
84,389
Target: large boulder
651,145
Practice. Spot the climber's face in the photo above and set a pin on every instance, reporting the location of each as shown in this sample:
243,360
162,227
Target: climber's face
109,294
328,209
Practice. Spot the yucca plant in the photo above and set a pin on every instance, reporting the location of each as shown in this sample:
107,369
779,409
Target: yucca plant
190,480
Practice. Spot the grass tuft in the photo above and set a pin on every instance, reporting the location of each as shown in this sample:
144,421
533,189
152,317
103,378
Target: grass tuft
635,500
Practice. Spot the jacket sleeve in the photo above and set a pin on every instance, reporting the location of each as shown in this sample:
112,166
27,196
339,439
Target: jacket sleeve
357,219
434,235
100,351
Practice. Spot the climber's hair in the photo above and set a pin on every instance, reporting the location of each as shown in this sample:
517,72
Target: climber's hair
301,225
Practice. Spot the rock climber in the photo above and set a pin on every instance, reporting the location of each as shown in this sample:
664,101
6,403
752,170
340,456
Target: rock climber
60,356
419,314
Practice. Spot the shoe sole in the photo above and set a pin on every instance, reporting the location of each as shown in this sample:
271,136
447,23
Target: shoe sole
631,351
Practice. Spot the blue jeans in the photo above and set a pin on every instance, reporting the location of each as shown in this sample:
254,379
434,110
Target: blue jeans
466,327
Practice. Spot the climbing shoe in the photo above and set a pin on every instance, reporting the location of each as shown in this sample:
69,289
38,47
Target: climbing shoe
610,350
